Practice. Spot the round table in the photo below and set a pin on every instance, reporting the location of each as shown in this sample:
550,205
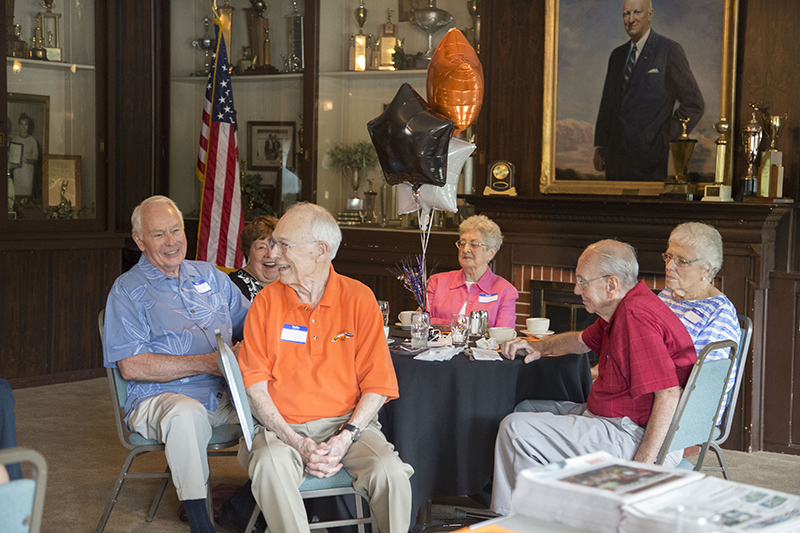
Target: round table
445,421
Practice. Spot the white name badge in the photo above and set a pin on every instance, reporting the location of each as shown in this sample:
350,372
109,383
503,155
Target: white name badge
487,298
292,333
692,317
201,286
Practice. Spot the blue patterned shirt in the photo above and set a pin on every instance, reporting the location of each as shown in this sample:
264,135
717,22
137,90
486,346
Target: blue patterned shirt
707,320
150,312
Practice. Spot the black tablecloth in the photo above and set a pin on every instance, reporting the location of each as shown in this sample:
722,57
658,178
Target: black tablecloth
445,422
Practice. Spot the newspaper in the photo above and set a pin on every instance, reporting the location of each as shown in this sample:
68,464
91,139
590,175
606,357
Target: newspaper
713,504
589,491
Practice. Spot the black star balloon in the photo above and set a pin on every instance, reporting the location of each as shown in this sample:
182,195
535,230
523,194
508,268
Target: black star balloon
411,140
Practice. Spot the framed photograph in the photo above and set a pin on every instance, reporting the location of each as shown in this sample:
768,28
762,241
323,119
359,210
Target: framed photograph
586,59
269,144
404,8
61,175
28,127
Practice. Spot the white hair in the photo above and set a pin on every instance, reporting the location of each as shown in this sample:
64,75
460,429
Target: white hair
136,217
704,240
615,258
488,229
323,226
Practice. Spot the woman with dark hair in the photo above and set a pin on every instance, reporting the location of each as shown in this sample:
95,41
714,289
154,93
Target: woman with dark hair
260,270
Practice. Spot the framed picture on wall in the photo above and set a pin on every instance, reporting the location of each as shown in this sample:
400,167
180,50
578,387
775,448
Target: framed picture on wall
609,113
28,126
61,176
269,144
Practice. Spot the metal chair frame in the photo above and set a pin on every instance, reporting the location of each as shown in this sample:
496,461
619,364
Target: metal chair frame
337,485
39,478
222,437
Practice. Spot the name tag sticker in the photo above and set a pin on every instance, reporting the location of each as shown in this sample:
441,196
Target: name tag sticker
692,317
292,333
487,298
201,286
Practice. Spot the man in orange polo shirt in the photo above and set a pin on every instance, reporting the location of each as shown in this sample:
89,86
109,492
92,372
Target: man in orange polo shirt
317,369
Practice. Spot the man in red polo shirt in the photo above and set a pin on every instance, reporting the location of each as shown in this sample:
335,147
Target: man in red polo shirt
317,369
646,356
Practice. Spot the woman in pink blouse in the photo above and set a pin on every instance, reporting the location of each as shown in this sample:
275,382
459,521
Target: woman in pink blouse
474,287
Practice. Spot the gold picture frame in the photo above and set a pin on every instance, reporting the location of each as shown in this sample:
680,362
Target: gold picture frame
548,183
61,173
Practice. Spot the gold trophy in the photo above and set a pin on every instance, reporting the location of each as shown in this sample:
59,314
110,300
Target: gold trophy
359,51
719,191
206,44
49,24
258,29
474,33
386,43
37,50
751,139
770,184
677,187
15,47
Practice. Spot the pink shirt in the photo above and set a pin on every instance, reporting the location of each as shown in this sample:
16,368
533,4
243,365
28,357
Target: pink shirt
448,291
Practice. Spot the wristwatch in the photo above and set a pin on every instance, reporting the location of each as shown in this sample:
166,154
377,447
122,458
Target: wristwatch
355,430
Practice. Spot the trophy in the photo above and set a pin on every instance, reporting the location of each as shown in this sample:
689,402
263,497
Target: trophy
386,43
751,139
676,187
719,191
49,25
258,29
771,172
294,61
205,44
37,50
431,19
359,50
474,33
15,47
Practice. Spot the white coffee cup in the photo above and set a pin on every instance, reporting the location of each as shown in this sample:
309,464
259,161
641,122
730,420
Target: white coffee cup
405,317
502,335
386,331
538,325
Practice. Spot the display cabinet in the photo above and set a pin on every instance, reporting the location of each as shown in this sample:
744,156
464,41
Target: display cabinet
337,102
54,131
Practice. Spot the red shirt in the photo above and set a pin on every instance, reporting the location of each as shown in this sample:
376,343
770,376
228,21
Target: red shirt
643,349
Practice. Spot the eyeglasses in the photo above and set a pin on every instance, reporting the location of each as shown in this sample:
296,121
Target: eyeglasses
680,263
471,244
582,283
282,246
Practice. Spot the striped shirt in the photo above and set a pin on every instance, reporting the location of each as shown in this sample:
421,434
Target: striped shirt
707,320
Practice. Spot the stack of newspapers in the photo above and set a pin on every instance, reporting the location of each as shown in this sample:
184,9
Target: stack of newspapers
597,492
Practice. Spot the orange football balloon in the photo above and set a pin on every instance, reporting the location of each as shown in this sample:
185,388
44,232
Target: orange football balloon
455,80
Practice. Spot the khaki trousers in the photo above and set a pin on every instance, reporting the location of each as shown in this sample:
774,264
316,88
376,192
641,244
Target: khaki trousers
184,426
277,471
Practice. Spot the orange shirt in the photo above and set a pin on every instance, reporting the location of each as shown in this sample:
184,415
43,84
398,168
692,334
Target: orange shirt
317,361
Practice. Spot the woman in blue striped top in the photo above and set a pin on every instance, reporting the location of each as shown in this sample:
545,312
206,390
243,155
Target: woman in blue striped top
692,260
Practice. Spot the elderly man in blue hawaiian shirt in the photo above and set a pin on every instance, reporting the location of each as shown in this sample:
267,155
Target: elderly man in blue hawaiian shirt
160,325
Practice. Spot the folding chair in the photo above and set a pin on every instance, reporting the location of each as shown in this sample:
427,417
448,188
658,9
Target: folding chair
695,418
22,500
222,437
339,484
723,430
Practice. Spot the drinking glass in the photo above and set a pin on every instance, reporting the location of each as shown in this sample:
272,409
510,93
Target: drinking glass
420,325
384,305
459,329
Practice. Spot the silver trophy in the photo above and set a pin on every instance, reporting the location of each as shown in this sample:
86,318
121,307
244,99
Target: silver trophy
751,139
431,19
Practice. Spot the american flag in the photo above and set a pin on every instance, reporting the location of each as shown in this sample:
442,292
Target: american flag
221,215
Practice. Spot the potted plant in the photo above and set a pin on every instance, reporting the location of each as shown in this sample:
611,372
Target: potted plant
353,160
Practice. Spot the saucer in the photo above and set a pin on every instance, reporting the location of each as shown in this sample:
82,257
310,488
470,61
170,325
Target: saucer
389,341
402,326
537,335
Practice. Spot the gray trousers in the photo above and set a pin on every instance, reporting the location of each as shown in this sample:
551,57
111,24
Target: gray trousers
184,426
277,471
540,432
